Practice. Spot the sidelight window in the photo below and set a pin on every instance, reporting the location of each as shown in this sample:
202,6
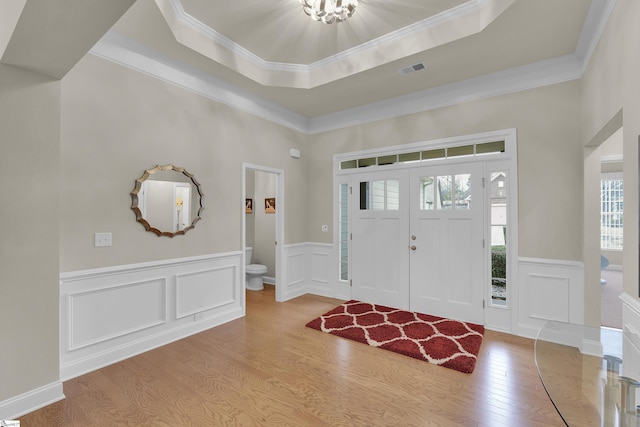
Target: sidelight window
499,208
343,227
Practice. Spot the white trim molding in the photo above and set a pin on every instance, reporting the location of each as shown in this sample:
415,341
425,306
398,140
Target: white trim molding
124,51
30,401
111,314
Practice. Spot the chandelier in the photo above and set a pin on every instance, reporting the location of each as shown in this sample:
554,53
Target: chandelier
329,11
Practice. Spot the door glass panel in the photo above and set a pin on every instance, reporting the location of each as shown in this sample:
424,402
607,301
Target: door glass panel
377,200
393,194
462,194
499,238
380,195
364,195
426,193
444,195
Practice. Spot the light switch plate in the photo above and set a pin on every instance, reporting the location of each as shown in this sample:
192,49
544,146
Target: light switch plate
102,239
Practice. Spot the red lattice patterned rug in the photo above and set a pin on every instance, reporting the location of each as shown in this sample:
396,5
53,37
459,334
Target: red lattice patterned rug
440,341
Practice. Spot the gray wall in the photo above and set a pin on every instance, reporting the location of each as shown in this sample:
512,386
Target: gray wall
29,171
549,160
113,131
609,87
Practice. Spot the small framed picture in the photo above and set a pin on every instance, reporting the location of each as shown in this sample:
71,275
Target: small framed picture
248,206
270,205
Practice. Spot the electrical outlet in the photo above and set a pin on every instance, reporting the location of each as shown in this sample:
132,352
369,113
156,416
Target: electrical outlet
102,239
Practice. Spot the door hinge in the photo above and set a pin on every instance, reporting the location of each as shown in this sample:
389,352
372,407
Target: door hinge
484,182
483,243
350,190
350,236
482,303
350,282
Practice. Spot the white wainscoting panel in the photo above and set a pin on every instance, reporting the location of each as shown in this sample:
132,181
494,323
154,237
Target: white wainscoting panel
549,290
101,315
294,277
197,292
548,297
321,270
309,270
110,314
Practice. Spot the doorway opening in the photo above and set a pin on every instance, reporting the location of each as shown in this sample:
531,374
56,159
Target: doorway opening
611,227
263,225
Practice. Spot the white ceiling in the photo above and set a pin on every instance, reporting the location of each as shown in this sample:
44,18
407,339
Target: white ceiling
270,59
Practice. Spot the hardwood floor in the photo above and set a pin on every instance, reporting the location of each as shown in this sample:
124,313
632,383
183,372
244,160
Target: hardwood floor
268,369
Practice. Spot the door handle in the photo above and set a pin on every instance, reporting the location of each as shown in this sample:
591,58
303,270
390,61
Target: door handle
413,247
413,237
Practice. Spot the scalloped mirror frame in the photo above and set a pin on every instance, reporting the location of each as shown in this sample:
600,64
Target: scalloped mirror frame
138,187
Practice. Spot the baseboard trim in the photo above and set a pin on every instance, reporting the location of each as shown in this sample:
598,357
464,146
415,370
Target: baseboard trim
295,292
269,280
30,401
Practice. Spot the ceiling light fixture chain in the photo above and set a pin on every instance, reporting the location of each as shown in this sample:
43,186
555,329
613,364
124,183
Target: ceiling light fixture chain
329,11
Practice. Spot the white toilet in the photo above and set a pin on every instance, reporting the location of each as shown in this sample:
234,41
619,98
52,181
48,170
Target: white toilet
254,273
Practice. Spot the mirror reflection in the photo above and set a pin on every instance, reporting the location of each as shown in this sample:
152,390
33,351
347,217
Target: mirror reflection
167,200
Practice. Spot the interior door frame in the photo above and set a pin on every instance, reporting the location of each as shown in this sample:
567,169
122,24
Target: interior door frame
279,237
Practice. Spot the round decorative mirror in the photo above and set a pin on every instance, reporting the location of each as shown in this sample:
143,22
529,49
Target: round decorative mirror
167,200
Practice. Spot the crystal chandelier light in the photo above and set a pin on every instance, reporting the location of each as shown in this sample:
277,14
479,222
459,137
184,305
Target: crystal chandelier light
329,11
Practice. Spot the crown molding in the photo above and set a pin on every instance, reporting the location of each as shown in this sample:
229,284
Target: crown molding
237,50
126,52
458,22
543,73
593,27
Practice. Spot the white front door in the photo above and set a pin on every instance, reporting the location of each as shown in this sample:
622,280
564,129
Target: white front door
447,248
380,252
417,240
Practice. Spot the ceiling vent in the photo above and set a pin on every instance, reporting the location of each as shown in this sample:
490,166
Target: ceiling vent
413,68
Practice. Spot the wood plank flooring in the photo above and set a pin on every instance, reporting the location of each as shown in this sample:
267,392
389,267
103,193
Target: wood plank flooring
268,369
